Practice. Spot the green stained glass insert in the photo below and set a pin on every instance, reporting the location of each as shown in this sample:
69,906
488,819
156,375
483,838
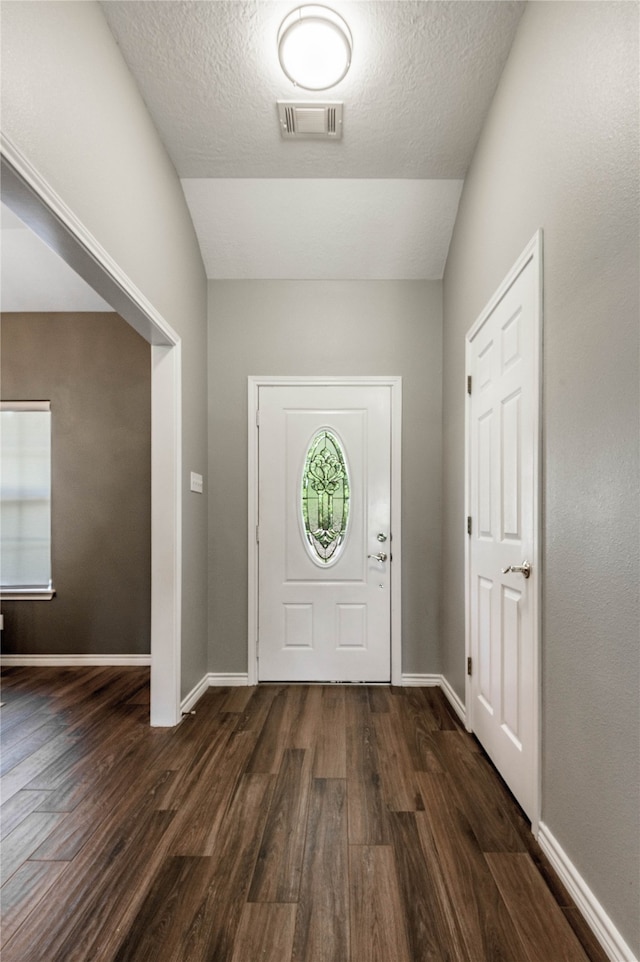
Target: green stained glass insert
325,496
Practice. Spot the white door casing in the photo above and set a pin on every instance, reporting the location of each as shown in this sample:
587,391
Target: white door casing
318,621
43,210
503,497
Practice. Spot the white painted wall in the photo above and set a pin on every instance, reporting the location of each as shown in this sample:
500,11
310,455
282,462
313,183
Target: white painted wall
71,107
559,151
325,328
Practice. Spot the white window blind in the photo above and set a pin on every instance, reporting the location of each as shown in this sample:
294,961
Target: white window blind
25,495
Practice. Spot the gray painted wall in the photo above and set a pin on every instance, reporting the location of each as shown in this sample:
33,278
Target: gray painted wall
325,328
559,151
96,371
71,106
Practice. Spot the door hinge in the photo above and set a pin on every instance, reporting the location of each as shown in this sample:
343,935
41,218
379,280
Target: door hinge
468,384
257,417
469,524
257,534
469,666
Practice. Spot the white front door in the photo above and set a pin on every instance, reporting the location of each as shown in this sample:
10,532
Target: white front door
502,444
324,551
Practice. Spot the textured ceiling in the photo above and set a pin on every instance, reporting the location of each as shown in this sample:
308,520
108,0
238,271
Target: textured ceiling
421,79
314,229
380,203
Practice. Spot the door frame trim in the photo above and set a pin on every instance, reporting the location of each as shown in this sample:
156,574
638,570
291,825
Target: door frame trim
533,252
35,201
255,382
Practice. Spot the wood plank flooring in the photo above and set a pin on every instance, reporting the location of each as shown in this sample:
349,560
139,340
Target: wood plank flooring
277,824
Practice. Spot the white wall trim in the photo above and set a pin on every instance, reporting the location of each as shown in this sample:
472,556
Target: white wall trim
420,681
252,514
437,681
597,918
228,679
25,405
71,661
155,329
35,201
26,594
456,702
255,382
532,252
194,695
166,534
213,680
395,384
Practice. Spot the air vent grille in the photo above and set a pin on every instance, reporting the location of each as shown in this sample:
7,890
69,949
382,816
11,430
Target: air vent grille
310,121
290,121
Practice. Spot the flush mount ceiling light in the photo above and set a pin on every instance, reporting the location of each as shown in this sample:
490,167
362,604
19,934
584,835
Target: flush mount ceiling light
314,47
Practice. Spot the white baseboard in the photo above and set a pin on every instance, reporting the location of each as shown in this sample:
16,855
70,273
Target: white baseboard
597,918
420,681
228,679
456,703
71,661
194,695
432,681
218,680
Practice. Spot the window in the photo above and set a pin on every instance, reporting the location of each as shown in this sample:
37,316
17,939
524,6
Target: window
325,497
25,500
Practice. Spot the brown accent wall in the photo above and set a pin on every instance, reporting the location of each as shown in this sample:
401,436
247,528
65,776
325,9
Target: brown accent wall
96,371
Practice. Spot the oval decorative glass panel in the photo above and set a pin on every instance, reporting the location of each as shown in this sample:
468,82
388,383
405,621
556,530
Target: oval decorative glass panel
325,497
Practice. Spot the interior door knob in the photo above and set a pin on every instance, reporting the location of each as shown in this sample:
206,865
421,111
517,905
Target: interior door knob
523,569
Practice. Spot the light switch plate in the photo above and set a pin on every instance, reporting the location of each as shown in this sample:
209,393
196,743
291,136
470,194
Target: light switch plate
196,482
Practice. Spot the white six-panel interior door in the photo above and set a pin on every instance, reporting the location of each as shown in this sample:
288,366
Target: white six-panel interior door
324,569
503,577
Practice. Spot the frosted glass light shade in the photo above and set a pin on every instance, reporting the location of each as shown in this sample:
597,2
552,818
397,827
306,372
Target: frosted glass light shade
314,47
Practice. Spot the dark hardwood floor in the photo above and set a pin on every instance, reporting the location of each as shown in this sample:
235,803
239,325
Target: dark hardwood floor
277,824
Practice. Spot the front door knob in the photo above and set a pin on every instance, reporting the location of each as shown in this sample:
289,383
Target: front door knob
381,557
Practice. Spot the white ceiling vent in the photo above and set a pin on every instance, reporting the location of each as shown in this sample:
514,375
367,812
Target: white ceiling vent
310,121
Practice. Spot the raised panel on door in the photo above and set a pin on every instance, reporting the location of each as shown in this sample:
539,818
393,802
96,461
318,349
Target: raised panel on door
486,642
511,468
485,481
511,674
